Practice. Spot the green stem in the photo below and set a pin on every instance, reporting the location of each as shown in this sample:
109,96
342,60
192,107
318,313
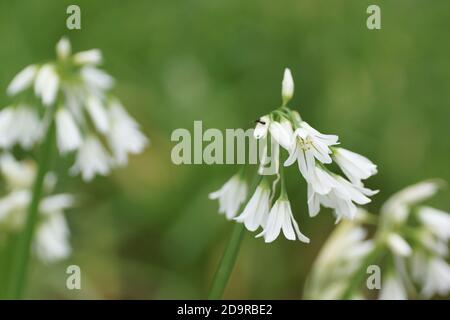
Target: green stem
231,251
358,278
21,256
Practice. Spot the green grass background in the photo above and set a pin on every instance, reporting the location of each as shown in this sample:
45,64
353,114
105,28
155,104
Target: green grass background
149,231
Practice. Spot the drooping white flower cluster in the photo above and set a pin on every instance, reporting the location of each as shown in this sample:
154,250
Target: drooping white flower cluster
412,244
89,119
51,242
312,151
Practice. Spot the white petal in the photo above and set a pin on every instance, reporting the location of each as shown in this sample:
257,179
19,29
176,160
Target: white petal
398,245
68,134
98,114
287,86
63,48
93,57
22,80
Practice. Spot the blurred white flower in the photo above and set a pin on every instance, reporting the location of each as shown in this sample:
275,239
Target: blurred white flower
19,125
281,219
96,79
256,211
68,135
22,80
51,242
437,221
124,135
232,194
396,208
63,48
85,109
392,289
46,84
92,57
398,245
437,278
339,257
91,159
98,114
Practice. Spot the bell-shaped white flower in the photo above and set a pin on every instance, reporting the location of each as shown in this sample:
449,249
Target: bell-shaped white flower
89,57
355,166
437,221
98,113
22,80
19,125
51,240
398,245
309,145
281,219
46,84
124,135
232,194
17,175
396,208
282,133
437,278
256,211
96,79
91,159
392,289
334,192
63,48
287,86
68,135
51,243
262,127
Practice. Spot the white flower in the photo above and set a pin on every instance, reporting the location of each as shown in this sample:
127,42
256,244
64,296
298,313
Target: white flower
13,208
232,194
91,159
335,192
51,242
398,245
18,175
396,208
282,133
98,114
281,219
437,221
51,237
437,278
96,79
262,127
93,57
124,135
392,289
256,211
287,86
338,259
46,84
68,135
19,125
309,145
355,166
22,80
63,48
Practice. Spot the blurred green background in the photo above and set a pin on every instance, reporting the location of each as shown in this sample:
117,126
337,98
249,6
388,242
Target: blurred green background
148,231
